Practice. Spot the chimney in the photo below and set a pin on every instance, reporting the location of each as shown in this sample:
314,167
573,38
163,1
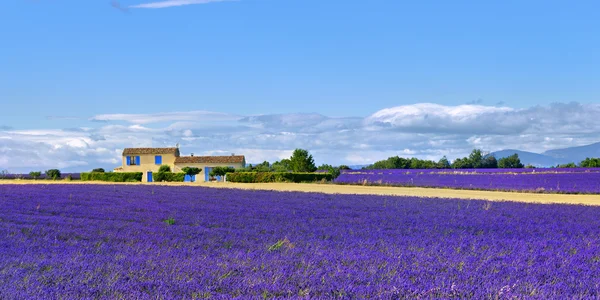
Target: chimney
192,154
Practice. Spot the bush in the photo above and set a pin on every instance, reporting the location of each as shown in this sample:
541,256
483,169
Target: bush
35,174
164,169
98,170
262,177
168,177
221,171
112,177
53,174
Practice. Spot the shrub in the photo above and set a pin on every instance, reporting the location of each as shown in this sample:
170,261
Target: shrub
164,169
168,177
221,171
53,174
112,177
98,170
262,177
35,174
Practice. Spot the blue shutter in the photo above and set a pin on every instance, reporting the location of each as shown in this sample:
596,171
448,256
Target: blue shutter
127,160
137,160
158,160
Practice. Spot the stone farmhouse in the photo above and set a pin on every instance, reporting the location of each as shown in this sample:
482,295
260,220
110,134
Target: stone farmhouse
149,160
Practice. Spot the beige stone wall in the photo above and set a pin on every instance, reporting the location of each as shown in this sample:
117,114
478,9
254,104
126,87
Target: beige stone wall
200,177
147,164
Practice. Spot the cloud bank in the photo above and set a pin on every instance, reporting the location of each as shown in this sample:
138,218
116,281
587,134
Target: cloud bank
422,130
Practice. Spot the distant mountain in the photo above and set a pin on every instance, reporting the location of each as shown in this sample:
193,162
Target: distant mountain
553,157
575,154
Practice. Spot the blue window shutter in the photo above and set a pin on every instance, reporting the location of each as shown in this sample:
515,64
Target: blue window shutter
158,160
127,160
137,160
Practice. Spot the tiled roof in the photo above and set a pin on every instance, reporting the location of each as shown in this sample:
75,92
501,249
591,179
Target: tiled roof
131,151
210,159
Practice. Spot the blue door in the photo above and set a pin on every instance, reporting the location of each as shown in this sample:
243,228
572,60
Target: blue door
149,176
206,173
188,178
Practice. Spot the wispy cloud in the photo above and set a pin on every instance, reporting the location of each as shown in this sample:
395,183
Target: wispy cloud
172,3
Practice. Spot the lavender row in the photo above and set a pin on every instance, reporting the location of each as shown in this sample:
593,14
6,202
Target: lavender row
142,242
74,176
467,171
541,182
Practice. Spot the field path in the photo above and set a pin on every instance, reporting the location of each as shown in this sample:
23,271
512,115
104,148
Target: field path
367,190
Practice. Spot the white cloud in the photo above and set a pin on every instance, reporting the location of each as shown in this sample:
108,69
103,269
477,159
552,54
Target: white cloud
426,131
172,3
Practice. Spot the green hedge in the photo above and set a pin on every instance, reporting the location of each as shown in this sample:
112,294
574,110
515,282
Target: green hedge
112,177
168,177
261,177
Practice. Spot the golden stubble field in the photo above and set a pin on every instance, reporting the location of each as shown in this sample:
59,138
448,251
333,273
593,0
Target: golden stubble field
364,190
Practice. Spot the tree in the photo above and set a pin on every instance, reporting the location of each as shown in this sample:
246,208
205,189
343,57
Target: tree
164,169
53,174
191,171
443,163
462,163
282,166
489,162
221,171
302,161
98,170
476,158
35,174
569,165
590,163
510,162
330,169
3,174
344,167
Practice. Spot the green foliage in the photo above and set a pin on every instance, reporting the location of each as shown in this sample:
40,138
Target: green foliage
191,171
462,163
590,163
112,176
164,168
530,166
489,162
344,167
510,162
168,177
169,221
569,165
443,163
476,158
283,165
53,174
302,161
262,177
221,171
98,170
35,174
331,169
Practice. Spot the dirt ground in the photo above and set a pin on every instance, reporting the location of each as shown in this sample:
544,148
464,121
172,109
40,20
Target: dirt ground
365,190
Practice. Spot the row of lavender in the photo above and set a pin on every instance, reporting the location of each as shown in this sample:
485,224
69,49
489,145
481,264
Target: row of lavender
143,242
74,176
562,182
463,171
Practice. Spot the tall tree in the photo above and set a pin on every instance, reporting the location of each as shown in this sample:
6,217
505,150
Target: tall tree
510,162
302,161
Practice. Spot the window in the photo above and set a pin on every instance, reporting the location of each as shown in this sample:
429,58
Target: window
158,160
133,160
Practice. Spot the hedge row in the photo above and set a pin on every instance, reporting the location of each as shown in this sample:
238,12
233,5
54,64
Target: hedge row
112,177
168,176
261,177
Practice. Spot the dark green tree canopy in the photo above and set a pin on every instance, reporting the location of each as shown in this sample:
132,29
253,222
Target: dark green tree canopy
53,173
164,169
302,161
98,170
510,162
590,163
35,174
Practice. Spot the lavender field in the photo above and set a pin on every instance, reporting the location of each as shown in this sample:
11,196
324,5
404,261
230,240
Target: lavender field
160,242
572,181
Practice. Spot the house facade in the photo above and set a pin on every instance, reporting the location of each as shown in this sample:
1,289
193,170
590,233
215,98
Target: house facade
149,160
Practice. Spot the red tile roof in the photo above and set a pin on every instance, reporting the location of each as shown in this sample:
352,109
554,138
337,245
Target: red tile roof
131,151
210,159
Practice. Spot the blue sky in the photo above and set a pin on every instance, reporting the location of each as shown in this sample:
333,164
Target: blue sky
66,62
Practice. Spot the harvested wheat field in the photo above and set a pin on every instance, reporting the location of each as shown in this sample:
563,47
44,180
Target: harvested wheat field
369,190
